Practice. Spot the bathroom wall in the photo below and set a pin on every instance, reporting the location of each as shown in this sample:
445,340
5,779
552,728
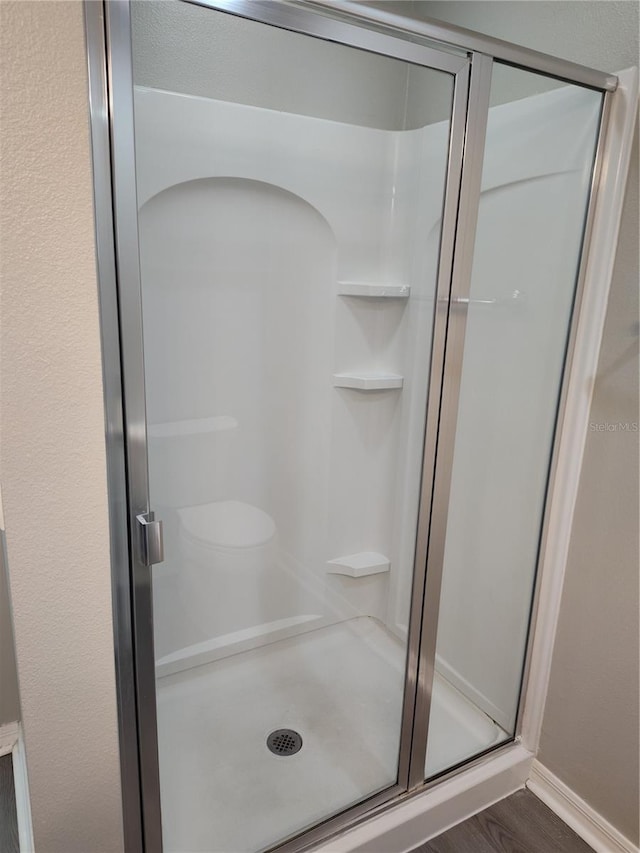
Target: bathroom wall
52,462
590,730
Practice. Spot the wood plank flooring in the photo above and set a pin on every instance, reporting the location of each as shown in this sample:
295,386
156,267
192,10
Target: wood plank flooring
518,824
8,817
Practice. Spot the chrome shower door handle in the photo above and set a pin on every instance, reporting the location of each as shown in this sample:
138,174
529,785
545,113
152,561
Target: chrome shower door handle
150,539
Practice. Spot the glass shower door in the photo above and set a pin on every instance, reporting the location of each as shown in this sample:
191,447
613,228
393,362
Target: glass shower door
536,179
290,195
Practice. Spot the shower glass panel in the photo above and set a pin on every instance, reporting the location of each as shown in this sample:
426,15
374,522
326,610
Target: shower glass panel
538,163
290,196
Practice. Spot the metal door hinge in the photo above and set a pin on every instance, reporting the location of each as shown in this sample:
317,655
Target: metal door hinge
150,539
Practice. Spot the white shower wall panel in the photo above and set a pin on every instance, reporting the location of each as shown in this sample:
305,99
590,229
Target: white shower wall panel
344,171
416,240
249,219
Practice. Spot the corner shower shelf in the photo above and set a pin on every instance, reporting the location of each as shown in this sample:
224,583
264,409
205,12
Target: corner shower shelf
362,288
359,565
361,381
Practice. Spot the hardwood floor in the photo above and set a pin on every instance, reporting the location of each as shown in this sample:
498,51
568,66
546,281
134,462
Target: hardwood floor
8,817
518,824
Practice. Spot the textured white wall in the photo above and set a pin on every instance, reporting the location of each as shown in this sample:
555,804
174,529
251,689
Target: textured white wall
590,729
53,458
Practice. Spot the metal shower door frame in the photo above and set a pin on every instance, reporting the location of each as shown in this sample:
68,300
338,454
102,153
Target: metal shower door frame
112,130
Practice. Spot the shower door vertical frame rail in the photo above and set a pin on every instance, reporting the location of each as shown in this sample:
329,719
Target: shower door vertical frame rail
108,29
442,402
115,441
413,746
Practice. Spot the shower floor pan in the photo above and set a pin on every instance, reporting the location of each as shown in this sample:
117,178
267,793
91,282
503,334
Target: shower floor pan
340,688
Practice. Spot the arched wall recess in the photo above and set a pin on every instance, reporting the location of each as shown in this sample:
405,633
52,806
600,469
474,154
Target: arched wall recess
347,172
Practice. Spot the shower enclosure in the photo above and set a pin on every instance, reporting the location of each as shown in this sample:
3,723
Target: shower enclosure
349,253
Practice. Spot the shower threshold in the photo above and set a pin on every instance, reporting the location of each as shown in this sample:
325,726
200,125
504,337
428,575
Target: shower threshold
341,688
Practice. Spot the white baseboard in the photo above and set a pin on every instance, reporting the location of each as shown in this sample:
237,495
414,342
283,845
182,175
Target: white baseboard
11,742
415,821
576,813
